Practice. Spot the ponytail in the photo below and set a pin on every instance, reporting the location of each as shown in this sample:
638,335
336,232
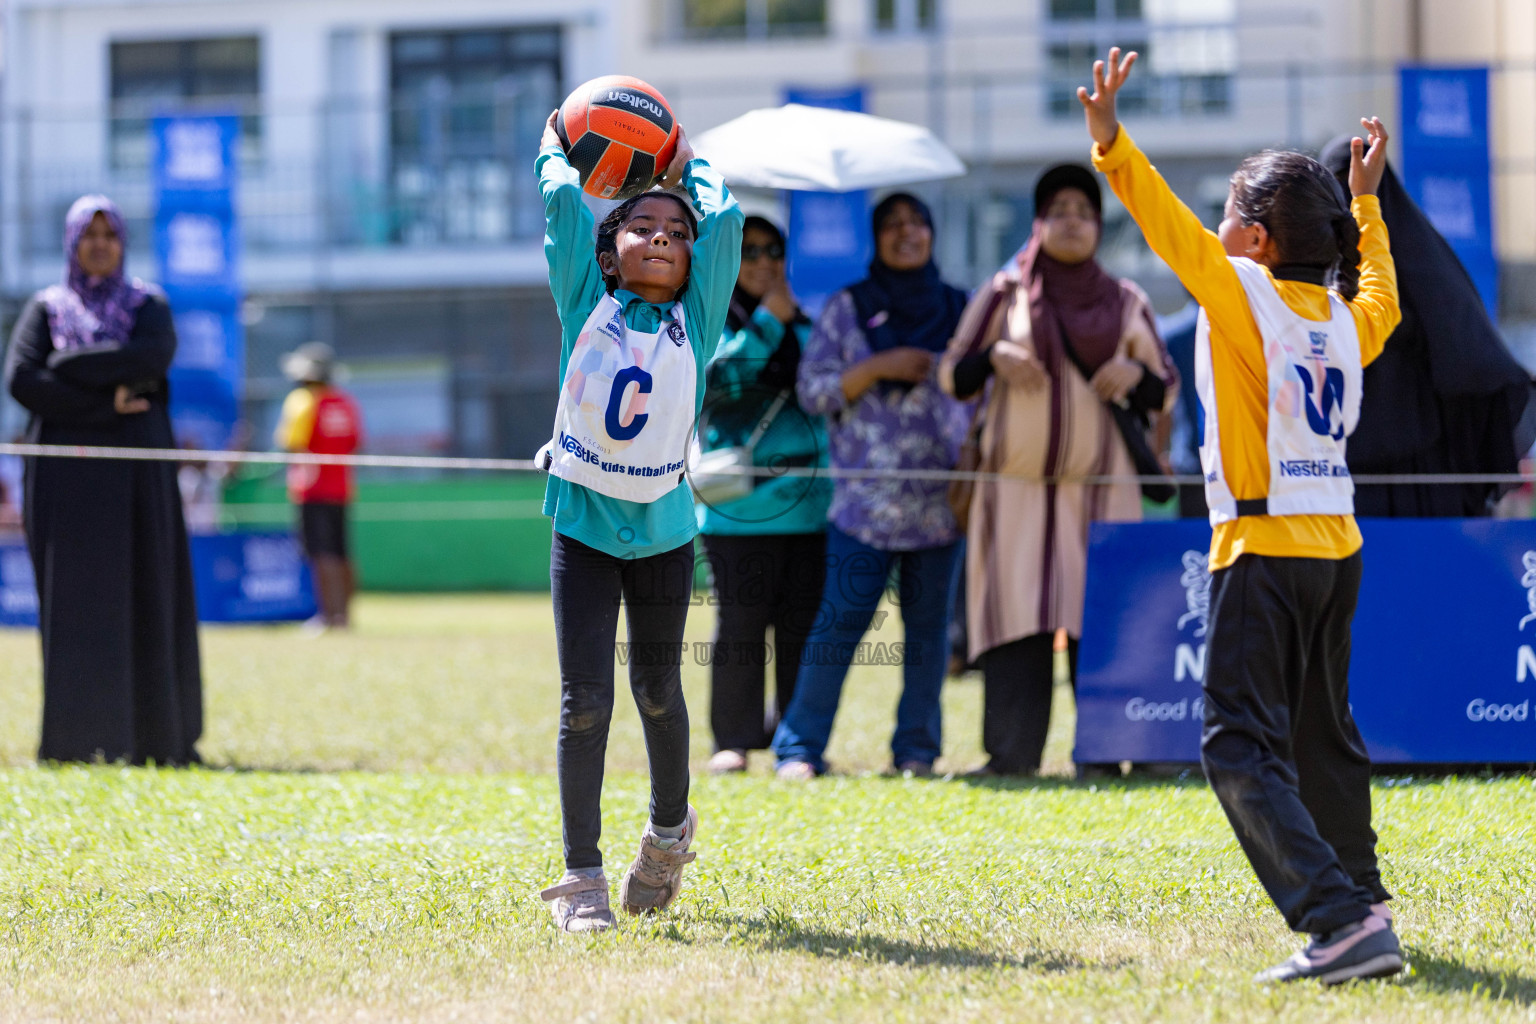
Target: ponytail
1346,271
1305,211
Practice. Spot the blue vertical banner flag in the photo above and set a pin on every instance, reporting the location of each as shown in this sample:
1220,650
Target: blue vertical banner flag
1447,166
830,242
197,245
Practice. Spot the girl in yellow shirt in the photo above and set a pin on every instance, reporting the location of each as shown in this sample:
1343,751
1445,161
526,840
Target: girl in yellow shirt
1278,366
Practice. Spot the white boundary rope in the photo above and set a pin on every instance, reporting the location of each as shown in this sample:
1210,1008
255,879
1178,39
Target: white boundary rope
528,466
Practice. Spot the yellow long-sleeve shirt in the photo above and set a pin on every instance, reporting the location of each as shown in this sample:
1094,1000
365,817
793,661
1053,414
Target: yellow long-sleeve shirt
1238,367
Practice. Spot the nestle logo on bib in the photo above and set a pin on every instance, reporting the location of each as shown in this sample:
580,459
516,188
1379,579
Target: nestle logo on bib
1318,341
1312,467
615,326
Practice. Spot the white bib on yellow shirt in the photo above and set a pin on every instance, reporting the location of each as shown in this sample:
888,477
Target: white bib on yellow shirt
1314,405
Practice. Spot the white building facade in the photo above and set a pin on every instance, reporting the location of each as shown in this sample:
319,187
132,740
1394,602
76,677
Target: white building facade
388,203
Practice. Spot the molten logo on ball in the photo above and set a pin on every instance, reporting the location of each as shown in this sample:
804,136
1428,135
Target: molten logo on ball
640,102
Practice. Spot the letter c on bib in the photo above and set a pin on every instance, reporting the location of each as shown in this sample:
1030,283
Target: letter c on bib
621,382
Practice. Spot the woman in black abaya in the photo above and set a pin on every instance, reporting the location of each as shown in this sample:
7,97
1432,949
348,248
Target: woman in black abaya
88,359
1445,396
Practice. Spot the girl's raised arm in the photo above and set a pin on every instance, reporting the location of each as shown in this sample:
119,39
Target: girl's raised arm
1376,307
1171,229
716,256
569,229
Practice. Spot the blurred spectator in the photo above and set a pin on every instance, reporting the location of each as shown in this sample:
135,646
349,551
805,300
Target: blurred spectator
767,549
202,494
320,418
10,491
869,368
202,483
1445,396
88,359
1053,344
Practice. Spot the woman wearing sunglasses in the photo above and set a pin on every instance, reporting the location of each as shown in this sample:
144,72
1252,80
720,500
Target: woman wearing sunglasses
766,546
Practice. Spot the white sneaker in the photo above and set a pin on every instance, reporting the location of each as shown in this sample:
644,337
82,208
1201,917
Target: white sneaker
655,878
580,904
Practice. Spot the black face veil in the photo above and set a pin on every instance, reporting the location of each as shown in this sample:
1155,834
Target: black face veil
1445,395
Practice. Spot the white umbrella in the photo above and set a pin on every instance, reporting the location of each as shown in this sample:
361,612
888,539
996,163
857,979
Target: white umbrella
817,149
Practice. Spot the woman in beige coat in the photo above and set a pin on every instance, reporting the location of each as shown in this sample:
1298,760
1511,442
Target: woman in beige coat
1050,344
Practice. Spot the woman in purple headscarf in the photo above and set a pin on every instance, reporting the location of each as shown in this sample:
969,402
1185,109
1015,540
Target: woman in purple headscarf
88,359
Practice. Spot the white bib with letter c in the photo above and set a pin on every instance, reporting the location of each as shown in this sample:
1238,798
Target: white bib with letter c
626,409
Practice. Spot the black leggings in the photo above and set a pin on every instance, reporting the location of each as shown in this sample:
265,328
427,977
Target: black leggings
587,586
760,582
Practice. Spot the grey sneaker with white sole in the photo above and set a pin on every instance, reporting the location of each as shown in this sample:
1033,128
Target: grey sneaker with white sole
655,878
1365,949
580,904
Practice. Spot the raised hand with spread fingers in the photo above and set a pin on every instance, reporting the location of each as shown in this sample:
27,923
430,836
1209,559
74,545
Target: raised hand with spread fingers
1099,106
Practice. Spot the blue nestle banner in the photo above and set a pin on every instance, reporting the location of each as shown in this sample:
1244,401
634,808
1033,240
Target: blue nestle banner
1447,163
209,371
194,159
1444,656
830,242
251,577
197,242
240,577
199,254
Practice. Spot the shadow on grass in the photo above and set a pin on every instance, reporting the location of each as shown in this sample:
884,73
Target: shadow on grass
1133,781
1439,974
776,931
234,768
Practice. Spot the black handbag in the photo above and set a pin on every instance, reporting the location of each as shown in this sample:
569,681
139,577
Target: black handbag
1133,428
1133,425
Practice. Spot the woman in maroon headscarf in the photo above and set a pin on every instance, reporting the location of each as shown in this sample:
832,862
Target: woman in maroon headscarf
1051,343
88,359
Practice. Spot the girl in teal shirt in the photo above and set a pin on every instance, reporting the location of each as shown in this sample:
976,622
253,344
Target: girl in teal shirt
640,317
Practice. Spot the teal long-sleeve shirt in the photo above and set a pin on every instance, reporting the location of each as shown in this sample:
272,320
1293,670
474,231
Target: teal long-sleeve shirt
631,529
737,401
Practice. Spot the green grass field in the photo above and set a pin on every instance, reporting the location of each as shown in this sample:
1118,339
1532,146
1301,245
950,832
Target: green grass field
382,813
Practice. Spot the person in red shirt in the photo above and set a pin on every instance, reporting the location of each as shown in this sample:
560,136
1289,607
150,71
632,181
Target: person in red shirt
319,417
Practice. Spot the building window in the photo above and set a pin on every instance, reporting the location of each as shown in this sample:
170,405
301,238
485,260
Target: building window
467,111
905,15
747,19
151,78
1188,53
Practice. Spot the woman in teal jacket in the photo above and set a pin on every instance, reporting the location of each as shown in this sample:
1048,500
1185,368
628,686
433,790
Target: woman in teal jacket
766,549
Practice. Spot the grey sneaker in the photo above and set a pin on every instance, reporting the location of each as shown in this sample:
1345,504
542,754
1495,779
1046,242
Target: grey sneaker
1365,949
580,904
654,879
